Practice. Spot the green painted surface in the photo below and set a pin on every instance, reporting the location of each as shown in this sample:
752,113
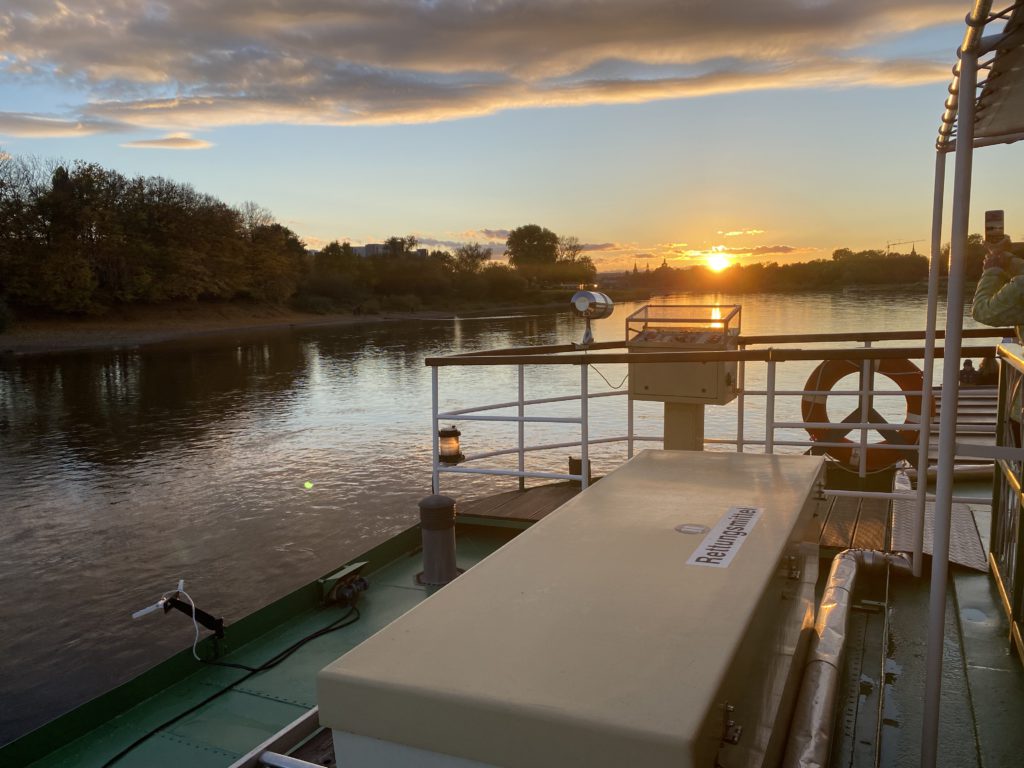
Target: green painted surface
906,652
231,725
994,672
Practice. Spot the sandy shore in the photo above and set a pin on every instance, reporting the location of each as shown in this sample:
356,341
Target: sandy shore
152,325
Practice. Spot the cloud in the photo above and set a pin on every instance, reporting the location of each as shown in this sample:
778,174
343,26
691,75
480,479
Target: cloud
739,232
760,250
602,247
430,242
764,250
29,126
495,234
171,141
190,65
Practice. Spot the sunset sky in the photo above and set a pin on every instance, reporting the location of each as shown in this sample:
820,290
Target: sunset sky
649,129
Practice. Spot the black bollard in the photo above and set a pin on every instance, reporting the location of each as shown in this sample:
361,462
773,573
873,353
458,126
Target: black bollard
437,525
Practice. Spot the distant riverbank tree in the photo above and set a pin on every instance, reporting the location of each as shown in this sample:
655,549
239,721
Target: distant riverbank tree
79,238
544,258
846,268
76,238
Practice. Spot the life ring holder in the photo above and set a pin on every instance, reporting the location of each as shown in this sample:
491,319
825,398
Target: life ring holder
903,373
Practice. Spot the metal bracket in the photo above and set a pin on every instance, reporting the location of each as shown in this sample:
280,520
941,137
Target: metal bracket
793,566
733,730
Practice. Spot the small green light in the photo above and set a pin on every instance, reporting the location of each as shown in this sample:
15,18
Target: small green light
308,485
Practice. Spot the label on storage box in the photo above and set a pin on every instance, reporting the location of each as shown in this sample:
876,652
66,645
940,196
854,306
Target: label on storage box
724,540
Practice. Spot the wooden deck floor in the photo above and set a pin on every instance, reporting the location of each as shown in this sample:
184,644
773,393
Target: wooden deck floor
848,522
529,505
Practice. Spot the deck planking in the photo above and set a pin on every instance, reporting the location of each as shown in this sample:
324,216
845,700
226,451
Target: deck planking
529,505
856,523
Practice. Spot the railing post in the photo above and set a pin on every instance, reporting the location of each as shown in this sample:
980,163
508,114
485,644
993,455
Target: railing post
435,476
741,384
522,426
584,428
769,410
629,426
867,370
928,366
950,394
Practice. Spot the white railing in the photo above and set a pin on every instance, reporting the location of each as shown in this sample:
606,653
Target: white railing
579,419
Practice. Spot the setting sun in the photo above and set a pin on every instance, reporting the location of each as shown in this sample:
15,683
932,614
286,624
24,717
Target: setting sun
718,261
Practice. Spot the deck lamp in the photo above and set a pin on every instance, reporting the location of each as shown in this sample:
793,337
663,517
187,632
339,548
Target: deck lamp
448,450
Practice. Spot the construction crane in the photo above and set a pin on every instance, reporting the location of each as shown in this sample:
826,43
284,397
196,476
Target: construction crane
911,243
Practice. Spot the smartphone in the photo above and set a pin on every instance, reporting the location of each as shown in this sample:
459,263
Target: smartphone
994,230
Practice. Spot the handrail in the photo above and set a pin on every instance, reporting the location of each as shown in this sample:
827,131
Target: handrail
788,338
758,355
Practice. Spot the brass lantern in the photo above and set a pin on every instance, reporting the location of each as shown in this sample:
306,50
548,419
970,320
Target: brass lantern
448,450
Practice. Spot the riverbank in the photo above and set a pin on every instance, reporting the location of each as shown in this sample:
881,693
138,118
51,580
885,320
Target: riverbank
140,326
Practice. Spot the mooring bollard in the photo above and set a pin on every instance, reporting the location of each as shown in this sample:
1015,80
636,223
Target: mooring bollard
437,525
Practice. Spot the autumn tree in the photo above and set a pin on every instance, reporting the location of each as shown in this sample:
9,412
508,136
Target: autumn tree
470,257
569,248
531,245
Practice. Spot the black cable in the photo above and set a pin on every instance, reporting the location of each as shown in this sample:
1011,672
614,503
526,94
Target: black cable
270,663
594,368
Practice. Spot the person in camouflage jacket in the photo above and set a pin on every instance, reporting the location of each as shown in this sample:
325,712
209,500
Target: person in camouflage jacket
999,297
999,300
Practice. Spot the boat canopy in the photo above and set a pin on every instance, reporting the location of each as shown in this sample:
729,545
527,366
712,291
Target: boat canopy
999,105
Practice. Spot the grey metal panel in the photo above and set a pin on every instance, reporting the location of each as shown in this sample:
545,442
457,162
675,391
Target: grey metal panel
964,543
1001,103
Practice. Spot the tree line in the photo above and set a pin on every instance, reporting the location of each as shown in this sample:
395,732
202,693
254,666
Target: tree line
846,268
400,278
81,239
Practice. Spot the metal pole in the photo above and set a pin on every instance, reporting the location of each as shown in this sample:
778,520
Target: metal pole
741,383
924,436
866,385
629,426
522,426
435,479
769,410
950,395
584,429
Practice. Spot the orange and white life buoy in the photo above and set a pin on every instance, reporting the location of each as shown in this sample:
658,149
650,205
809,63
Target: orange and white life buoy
903,373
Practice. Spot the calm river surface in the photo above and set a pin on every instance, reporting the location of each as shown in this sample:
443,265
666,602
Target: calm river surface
122,471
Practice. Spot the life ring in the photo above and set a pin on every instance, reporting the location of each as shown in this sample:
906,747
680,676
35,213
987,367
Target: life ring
904,374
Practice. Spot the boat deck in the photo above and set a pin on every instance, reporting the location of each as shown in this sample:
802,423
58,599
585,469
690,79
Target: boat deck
222,731
881,702
881,714
527,506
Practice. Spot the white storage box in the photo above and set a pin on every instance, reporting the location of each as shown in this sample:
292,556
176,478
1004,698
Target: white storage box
599,637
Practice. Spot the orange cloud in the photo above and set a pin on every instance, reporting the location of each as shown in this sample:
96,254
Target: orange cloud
171,141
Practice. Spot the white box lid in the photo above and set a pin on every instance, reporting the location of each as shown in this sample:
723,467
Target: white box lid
588,639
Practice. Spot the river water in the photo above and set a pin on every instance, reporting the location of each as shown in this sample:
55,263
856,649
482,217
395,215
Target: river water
122,471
